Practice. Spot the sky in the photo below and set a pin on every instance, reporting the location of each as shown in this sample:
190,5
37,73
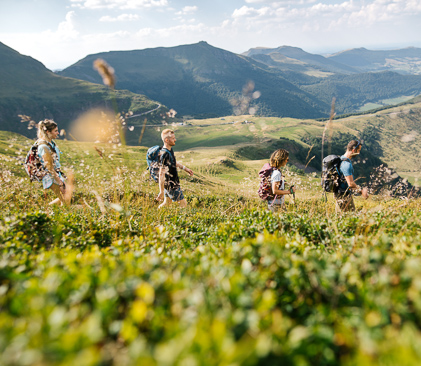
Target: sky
60,32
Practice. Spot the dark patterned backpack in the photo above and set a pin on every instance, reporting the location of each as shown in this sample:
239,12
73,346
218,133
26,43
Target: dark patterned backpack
331,174
33,165
265,187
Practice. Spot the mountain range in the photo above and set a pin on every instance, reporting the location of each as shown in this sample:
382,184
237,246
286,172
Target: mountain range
201,81
353,61
204,81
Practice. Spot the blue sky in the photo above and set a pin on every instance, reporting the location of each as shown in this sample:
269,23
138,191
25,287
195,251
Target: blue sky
60,32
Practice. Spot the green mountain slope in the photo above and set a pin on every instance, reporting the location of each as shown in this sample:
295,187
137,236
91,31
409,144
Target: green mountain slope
391,136
28,88
407,60
202,80
352,91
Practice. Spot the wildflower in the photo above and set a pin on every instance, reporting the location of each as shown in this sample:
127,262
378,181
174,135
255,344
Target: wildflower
171,113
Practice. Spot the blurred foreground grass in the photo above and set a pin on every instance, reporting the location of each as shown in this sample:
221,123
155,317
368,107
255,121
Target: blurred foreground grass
113,281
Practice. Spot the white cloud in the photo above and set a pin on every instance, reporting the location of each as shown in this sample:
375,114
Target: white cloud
65,29
322,15
179,30
314,25
244,11
120,18
187,10
118,4
277,3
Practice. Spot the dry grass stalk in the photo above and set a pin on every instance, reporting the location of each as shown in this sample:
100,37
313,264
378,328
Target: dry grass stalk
143,131
328,126
100,153
100,202
106,72
70,187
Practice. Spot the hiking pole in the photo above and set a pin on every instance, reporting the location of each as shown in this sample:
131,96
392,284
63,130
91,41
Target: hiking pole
292,192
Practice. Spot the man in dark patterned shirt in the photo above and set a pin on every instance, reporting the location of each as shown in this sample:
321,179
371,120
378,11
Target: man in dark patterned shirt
169,183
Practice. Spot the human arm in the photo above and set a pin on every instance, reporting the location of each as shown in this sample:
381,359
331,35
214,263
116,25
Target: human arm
187,170
352,185
281,192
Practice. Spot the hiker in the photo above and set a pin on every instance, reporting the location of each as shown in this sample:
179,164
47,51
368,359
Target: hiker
169,183
278,159
49,156
344,200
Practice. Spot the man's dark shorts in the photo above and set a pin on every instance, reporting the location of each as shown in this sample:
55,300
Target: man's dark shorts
175,194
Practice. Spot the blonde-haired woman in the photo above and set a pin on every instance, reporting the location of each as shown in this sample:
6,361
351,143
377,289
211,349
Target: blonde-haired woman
278,159
49,155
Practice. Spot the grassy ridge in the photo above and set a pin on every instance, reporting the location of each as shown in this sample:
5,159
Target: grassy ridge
391,135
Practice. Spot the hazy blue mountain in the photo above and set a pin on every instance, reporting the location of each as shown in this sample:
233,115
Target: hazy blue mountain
27,87
296,59
202,80
351,91
406,60
356,77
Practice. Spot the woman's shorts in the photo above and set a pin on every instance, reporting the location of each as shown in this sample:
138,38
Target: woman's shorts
48,181
175,194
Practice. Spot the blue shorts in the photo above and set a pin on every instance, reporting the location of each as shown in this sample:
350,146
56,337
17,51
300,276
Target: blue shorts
48,181
175,194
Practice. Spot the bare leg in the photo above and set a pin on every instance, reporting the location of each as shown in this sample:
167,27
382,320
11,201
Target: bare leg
182,203
167,202
54,202
60,198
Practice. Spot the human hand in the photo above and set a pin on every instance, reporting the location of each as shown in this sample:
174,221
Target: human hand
189,171
364,192
160,196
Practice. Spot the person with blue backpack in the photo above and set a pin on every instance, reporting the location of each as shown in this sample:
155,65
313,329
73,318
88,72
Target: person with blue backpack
347,185
163,169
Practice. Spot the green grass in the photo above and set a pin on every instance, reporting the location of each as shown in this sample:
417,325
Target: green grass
398,142
385,102
369,106
223,282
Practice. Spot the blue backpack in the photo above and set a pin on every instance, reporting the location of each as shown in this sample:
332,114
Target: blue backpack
152,158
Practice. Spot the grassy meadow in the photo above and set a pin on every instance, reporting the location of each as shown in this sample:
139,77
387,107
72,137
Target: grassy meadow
392,134
113,281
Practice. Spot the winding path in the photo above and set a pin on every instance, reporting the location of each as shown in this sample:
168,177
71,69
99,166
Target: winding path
141,114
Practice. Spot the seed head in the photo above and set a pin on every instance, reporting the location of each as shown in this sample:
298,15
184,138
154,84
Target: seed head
106,72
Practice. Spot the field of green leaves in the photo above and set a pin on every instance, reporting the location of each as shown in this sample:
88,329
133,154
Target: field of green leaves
113,281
